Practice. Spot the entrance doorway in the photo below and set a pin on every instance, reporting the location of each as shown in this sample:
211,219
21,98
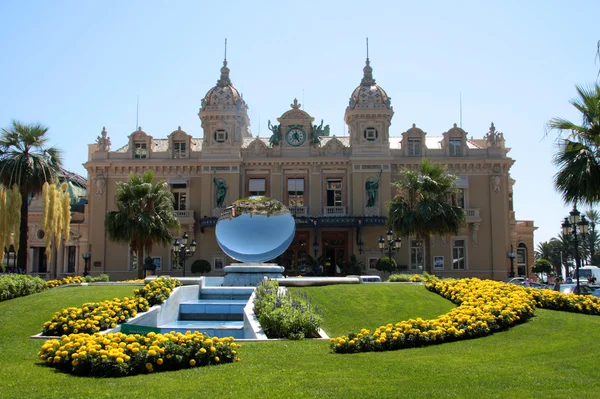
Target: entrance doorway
334,252
40,262
294,258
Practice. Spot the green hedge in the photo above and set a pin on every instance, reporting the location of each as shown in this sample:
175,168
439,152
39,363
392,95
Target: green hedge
283,315
16,285
400,278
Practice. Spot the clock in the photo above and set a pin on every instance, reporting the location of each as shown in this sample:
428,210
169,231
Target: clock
295,136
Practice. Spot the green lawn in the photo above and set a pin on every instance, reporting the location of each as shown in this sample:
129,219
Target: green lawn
554,355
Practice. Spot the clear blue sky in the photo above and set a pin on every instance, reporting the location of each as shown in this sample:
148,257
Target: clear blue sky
77,66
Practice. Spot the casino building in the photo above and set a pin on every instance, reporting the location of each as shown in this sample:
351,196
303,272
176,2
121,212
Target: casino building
336,187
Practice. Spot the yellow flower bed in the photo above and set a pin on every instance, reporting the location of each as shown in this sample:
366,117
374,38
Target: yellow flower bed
116,355
94,317
66,280
485,306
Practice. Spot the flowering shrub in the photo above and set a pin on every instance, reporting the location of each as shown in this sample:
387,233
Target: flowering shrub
16,285
285,316
484,307
95,317
77,280
158,290
548,299
66,280
117,355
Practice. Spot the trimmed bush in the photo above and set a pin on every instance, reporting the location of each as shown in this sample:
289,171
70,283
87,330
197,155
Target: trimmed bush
16,285
201,266
386,264
400,278
282,315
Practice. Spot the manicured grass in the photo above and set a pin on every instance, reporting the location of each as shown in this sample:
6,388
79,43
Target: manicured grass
348,308
554,355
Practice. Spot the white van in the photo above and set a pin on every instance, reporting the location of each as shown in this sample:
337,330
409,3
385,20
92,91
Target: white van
585,272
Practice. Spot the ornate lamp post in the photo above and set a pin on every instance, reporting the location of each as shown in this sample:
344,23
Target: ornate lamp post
86,257
574,224
392,246
511,256
182,251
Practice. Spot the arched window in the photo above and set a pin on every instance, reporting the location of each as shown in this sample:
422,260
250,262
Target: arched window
522,259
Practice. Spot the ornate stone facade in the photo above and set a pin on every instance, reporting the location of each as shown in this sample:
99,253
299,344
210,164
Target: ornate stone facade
328,182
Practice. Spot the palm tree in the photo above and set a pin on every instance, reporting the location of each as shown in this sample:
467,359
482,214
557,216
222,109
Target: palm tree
594,217
25,160
144,215
422,208
578,178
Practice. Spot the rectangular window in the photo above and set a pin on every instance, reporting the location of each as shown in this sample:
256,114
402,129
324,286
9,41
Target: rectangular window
139,150
521,256
458,254
454,147
257,186
71,257
416,254
458,197
334,192
414,147
179,149
180,194
295,189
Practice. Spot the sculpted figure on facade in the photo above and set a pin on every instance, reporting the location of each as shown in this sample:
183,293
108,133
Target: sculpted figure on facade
220,190
315,133
276,136
496,183
371,187
103,141
493,138
100,182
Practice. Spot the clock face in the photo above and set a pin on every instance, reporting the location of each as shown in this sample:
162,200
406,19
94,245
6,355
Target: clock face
295,136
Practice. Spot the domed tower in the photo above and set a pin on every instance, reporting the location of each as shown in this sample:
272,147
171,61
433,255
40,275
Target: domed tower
224,116
369,116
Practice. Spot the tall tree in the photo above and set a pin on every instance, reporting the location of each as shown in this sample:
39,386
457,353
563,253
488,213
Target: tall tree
578,178
593,240
27,161
422,206
144,216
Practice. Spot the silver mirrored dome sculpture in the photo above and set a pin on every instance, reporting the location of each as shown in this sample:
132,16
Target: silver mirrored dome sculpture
255,229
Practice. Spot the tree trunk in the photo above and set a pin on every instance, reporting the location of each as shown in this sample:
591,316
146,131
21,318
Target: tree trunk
22,254
427,253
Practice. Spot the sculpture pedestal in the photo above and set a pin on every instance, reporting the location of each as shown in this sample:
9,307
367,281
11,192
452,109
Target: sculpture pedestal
250,274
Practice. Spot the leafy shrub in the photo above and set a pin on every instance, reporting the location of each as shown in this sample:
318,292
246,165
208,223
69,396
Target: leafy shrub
16,285
400,278
117,355
386,264
282,315
542,266
94,317
200,266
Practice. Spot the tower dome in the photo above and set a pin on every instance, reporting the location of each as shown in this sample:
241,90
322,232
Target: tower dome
224,95
368,94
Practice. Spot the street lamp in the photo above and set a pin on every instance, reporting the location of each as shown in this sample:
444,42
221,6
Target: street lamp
86,257
392,246
511,256
182,251
574,224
